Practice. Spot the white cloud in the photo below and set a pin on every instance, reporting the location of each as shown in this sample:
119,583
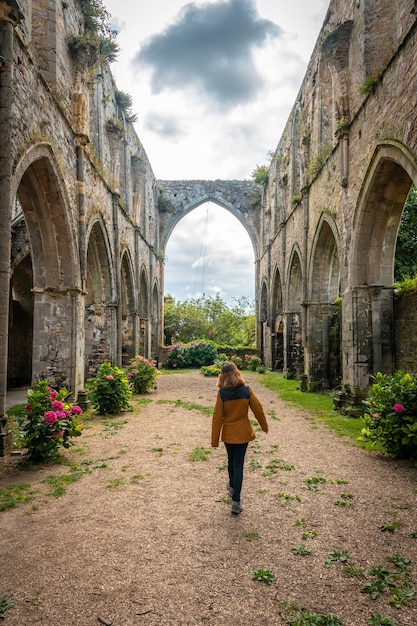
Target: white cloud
213,105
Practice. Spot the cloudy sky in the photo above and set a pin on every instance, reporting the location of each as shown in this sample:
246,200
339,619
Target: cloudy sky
212,83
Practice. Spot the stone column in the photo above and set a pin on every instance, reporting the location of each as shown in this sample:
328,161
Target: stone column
10,14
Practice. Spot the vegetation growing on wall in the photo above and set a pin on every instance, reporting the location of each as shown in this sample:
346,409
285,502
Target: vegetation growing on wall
260,175
96,37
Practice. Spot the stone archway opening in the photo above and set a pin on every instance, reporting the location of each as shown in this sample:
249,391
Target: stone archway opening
209,253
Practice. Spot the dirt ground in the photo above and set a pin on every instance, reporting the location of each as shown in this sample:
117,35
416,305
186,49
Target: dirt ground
146,536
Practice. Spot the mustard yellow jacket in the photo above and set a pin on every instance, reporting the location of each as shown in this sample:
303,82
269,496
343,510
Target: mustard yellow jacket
230,415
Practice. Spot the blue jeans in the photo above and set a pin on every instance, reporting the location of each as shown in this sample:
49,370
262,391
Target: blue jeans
236,458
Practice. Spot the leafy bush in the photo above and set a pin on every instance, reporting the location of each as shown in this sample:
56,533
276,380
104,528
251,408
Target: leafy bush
49,422
194,354
391,414
142,374
110,390
252,362
211,370
237,360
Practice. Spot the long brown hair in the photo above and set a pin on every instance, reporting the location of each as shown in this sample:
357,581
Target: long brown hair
230,376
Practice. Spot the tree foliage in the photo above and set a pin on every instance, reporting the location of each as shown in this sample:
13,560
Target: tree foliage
211,319
405,265
260,175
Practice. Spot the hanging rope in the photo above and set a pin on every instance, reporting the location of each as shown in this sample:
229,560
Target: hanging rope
203,250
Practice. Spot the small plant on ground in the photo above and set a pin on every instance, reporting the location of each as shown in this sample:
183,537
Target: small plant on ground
110,390
263,575
389,527
199,454
142,374
5,604
303,617
50,422
391,409
339,555
300,550
251,536
309,534
377,619
284,499
312,484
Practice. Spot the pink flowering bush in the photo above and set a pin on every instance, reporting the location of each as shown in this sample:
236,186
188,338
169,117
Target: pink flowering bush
142,374
193,354
110,390
50,421
391,414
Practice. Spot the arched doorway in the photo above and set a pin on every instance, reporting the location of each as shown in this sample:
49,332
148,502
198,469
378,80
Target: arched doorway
293,320
324,310
128,309
45,280
368,301
100,313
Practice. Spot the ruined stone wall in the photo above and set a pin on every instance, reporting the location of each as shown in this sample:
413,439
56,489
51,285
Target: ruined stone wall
87,196
354,104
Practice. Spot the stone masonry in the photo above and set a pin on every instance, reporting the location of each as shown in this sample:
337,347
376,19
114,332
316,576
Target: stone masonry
85,223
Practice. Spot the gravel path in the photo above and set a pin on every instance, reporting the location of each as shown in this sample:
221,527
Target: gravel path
145,537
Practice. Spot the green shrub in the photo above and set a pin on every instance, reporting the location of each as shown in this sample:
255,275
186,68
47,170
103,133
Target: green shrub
237,360
50,421
211,370
142,374
391,414
252,362
194,354
110,390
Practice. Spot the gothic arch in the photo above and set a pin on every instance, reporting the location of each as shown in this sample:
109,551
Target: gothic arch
323,309
369,297
240,198
263,319
294,318
277,321
128,308
144,313
100,310
48,268
41,192
156,332
325,264
387,183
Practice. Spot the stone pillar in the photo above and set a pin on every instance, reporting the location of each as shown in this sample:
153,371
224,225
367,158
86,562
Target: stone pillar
58,337
117,317
10,14
367,334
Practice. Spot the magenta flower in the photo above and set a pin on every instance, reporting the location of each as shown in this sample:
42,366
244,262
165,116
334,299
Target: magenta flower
28,408
60,434
376,416
76,409
109,377
398,408
61,415
53,394
50,417
57,405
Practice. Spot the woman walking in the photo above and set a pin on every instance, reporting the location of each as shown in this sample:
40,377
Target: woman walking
230,418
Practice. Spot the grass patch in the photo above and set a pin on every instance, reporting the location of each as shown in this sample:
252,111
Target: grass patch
12,495
189,406
319,405
199,454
